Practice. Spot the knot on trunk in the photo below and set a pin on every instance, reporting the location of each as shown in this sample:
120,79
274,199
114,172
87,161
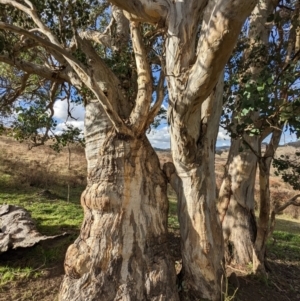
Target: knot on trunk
78,261
169,170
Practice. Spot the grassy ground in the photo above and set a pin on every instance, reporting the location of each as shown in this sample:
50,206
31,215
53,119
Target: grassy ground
39,181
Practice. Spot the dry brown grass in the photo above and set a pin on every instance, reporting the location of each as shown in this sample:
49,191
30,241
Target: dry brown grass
42,166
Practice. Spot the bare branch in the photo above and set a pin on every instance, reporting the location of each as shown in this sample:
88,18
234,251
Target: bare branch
220,29
274,142
31,68
159,99
152,11
9,98
50,46
292,201
276,210
140,111
85,75
95,36
173,179
105,78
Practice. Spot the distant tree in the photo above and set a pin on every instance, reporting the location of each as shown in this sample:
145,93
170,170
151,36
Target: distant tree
263,91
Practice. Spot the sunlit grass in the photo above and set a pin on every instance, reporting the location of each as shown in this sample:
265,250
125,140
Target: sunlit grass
285,241
173,217
8,274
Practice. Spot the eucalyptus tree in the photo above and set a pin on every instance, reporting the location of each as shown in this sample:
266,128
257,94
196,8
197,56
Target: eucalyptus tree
121,250
268,100
236,197
121,253
200,36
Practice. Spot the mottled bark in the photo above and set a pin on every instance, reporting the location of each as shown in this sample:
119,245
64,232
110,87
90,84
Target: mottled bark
236,204
121,253
192,70
236,197
264,164
193,150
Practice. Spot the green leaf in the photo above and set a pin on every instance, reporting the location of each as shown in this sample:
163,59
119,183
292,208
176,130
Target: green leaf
260,88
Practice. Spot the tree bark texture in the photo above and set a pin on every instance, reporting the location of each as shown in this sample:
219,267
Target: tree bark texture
122,252
193,70
236,204
264,164
193,153
18,229
236,197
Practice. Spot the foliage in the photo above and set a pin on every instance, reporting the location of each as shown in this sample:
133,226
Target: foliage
255,104
288,167
33,97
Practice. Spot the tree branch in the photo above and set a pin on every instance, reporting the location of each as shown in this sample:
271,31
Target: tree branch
31,68
152,11
32,13
159,99
221,26
85,76
138,116
292,201
170,172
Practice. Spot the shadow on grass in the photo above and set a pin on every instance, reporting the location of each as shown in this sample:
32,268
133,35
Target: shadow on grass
289,226
281,284
41,256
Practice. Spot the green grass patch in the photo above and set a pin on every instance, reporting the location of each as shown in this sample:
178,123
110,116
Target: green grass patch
53,215
9,274
172,216
285,241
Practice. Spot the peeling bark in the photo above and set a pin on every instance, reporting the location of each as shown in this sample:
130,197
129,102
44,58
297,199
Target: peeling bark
236,204
193,150
236,197
121,253
264,164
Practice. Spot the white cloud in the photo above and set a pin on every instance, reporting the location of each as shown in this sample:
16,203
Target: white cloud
61,111
63,125
160,138
222,134
223,138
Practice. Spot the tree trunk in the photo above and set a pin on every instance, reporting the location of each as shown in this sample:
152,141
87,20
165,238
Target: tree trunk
122,252
193,150
236,203
264,164
236,197
263,220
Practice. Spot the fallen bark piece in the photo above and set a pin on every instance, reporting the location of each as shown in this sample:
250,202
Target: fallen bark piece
18,230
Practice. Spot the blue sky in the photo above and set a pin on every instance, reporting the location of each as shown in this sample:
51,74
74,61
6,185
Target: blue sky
159,138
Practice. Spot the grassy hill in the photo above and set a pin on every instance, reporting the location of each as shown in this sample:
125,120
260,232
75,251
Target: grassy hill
49,187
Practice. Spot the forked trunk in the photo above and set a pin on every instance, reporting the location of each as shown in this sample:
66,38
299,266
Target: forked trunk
236,204
122,252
